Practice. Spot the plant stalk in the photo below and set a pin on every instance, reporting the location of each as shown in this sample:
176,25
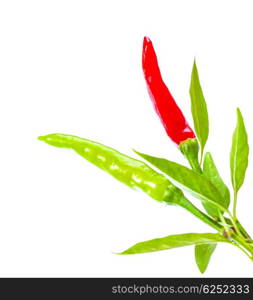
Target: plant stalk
243,230
244,244
234,206
185,203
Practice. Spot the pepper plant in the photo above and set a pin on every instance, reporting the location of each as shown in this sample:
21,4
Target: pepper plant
201,179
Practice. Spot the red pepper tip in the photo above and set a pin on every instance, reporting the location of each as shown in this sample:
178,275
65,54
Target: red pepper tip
146,39
146,42
148,53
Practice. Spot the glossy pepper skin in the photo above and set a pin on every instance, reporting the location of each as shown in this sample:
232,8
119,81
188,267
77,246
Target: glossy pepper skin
170,114
132,172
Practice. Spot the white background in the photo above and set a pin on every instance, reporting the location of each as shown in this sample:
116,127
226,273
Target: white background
75,67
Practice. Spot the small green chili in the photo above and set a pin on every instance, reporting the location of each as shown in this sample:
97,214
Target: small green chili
132,172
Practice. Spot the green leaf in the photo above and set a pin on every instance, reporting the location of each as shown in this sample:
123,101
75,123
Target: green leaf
199,109
239,153
196,184
132,172
210,172
203,254
175,241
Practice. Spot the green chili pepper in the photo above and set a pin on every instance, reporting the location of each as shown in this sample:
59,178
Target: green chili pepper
132,172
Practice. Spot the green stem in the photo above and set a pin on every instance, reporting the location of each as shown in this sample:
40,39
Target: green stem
234,206
185,203
243,243
237,239
195,165
190,151
220,207
243,230
243,250
225,225
228,212
201,156
217,205
234,224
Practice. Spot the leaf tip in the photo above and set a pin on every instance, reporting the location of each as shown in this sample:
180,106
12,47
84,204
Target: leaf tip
238,111
194,67
208,156
121,253
118,253
138,153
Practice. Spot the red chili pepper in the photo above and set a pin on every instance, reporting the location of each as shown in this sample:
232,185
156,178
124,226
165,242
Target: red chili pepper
170,114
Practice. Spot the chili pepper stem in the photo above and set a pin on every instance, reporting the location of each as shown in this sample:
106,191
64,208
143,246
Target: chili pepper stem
190,149
195,165
185,203
236,239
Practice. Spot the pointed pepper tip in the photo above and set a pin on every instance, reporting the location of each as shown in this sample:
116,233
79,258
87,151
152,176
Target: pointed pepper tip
41,138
